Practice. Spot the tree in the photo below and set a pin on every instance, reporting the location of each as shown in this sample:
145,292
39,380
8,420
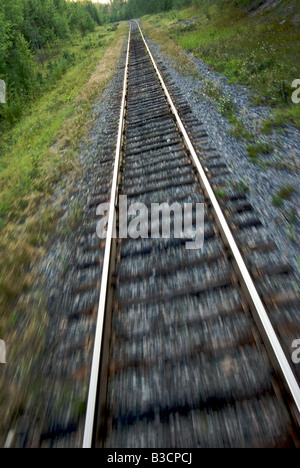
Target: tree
27,27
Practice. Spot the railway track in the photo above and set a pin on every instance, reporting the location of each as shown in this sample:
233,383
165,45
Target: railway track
192,345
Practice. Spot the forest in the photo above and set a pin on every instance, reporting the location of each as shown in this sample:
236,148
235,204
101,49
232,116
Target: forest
126,9
27,29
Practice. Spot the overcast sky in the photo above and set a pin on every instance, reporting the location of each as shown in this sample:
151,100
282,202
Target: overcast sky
99,1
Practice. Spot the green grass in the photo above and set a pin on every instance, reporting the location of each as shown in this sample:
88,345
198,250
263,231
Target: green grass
39,154
239,130
241,186
257,149
228,109
270,124
42,148
220,193
285,193
259,51
28,166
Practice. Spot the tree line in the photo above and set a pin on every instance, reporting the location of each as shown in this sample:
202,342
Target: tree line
128,9
27,27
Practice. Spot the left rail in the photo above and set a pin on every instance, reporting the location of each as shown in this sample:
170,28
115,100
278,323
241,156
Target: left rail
94,378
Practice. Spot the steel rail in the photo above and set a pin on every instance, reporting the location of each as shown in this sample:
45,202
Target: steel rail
93,386
273,343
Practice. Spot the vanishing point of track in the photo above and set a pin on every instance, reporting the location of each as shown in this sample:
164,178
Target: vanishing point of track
188,349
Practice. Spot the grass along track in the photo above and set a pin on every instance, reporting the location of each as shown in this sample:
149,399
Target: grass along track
39,154
257,134
259,50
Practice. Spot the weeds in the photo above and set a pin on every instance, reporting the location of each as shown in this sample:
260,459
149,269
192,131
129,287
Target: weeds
226,106
285,193
182,63
211,89
220,193
242,186
257,149
254,50
57,68
239,130
214,91
272,123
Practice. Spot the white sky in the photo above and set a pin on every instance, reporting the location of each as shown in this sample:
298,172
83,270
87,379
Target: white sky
97,1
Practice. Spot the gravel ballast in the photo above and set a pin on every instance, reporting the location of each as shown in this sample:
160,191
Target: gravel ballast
263,182
68,349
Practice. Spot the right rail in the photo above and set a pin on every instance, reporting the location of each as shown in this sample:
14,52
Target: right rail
184,363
